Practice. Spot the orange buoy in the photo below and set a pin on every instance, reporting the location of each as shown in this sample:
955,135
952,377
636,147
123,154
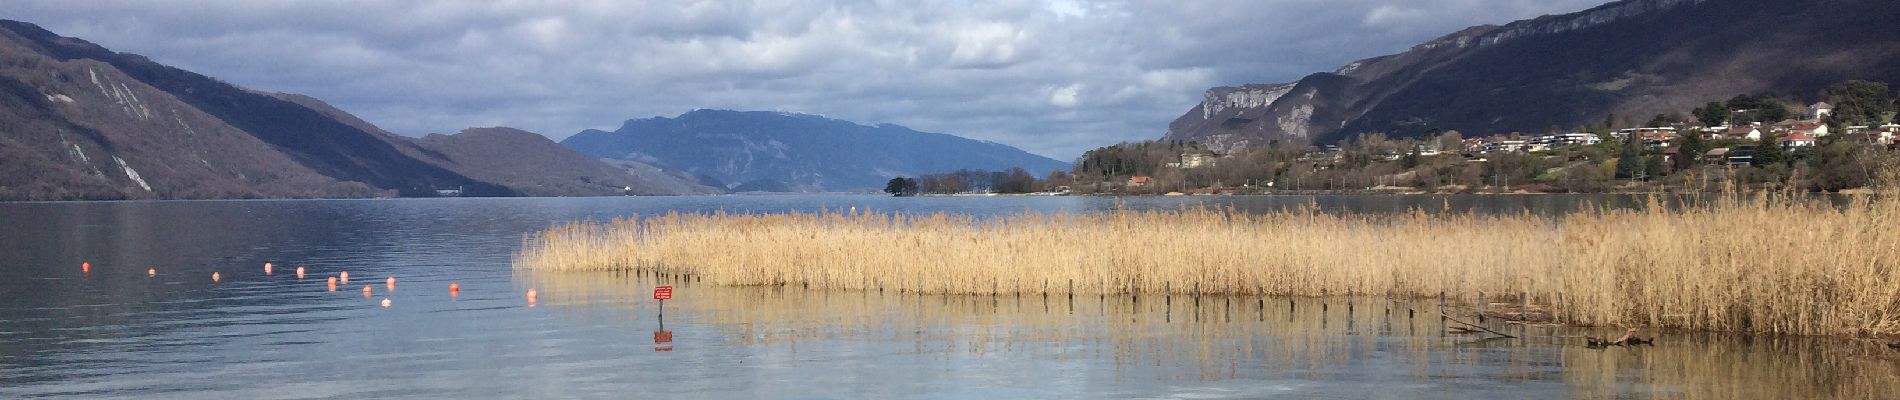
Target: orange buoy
151,272
385,303
266,268
332,283
346,277
531,296
366,290
85,266
300,272
391,283
214,276
454,288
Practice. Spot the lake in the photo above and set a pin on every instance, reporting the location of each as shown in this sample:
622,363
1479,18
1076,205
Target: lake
115,332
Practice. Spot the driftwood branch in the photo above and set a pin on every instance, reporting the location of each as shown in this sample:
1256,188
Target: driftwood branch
1449,318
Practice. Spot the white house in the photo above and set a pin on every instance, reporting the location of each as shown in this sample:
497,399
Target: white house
1818,110
1505,146
1797,139
1743,132
1810,129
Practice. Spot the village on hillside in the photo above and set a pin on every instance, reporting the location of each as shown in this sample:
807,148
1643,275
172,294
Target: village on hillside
1747,141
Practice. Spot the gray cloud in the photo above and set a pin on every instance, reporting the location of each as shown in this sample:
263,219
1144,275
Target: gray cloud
1055,77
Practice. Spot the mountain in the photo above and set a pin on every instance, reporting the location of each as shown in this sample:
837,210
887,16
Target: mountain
772,151
533,165
1625,61
528,163
78,121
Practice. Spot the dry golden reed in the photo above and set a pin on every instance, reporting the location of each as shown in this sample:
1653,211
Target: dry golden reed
1764,263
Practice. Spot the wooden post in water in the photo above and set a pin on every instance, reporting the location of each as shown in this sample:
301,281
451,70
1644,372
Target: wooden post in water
1483,304
1524,308
1323,302
1261,294
1349,305
1441,308
1133,295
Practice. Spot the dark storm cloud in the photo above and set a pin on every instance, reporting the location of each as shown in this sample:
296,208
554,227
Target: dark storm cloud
1053,77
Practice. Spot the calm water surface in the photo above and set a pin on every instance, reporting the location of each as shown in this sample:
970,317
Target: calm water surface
116,333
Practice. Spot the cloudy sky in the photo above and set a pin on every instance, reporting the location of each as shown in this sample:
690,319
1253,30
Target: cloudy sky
1055,77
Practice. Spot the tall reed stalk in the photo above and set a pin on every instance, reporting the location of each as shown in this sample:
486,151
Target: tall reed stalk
1762,263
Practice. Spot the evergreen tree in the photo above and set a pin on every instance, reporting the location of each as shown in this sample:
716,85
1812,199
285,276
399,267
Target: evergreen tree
1629,159
1411,159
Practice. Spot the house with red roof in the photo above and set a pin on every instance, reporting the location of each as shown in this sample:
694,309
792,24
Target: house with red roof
1797,140
1809,128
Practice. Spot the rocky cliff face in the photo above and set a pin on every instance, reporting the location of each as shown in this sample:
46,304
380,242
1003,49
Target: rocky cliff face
1629,59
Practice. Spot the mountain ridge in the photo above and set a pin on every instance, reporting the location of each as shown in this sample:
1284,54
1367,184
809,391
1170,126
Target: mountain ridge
79,121
1628,59
796,152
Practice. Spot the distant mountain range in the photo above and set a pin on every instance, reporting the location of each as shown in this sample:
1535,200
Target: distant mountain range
1625,61
78,121
773,151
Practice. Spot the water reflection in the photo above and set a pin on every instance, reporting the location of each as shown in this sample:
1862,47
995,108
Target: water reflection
117,332
1257,339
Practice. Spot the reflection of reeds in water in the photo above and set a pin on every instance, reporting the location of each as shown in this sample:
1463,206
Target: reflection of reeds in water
1767,264
1721,366
1228,334
1235,337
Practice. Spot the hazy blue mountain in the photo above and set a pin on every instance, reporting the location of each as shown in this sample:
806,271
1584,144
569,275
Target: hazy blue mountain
772,151
1626,61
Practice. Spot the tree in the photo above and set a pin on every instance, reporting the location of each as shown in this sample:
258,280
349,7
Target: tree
1661,120
1411,158
1759,108
1015,180
1713,114
1841,164
1451,141
1629,158
901,186
1652,166
1768,152
1857,102
1689,148
1583,178
944,183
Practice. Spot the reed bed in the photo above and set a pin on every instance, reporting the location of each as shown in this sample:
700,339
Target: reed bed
1760,263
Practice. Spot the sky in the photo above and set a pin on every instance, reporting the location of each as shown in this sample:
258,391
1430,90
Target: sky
1054,77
